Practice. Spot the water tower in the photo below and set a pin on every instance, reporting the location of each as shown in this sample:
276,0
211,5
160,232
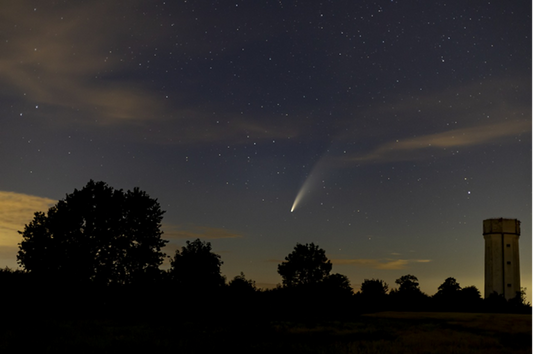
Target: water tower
502,265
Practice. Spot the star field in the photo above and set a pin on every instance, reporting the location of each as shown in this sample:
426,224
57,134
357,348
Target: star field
403,124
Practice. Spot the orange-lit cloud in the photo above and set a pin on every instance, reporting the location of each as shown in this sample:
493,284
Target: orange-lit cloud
386,264
8,256
16,210
172,232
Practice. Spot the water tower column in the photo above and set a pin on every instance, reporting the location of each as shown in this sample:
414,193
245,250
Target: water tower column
502,262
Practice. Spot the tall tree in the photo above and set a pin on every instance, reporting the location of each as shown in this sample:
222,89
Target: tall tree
96,234
307,264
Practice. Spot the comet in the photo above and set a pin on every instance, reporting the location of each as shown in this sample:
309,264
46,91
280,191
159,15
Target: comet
316,175
298,198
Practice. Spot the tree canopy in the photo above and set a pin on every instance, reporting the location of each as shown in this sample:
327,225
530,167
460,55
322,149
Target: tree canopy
196,267
449,288
239,284
374,288
338,283
471,292
307,264
408,284
97,234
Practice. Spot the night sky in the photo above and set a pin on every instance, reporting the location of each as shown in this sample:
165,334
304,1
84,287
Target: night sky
400,126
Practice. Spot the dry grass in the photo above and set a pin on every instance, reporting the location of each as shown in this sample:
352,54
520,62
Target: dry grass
419,332
386,332
416,332
499,322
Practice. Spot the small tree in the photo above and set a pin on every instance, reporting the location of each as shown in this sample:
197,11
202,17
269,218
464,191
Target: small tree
241,285
408,284
96,234
448,295
196,268
519,303
470,299
449,288
470,293
373,295
408,296
495,302
307,264
338,284
374,288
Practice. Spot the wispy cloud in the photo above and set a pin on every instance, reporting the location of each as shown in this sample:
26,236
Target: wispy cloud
192,232
82,68
274,260
420,125
51,58
386,264
426,145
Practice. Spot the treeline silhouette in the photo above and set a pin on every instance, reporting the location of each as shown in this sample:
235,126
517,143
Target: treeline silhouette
97,253
23,293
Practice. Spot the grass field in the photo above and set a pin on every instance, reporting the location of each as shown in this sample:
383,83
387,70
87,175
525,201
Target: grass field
385,332
458,332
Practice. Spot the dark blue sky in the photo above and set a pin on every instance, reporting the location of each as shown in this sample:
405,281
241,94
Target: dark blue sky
409,120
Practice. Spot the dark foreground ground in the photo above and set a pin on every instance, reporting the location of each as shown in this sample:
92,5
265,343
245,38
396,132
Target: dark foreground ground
385,332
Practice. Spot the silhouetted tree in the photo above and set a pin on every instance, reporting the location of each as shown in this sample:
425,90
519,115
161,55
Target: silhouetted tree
97,235
308,284
408,284
470,299
16,292
331,298
307,264
409,296
241,301
448,295
13,283
337,284
450,287
11,276
374,288
196,269
495,302
519,302
372,296
470,292
242,286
